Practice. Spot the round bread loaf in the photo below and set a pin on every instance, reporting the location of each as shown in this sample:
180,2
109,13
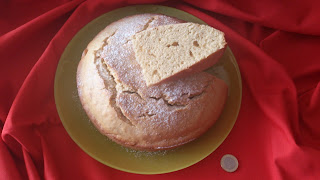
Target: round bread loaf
116,99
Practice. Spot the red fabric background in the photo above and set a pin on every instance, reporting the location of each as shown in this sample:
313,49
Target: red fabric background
277,134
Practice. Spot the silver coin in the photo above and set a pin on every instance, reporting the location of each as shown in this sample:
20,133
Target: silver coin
229,163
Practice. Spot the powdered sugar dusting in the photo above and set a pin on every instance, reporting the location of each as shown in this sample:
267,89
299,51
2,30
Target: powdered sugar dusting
154,111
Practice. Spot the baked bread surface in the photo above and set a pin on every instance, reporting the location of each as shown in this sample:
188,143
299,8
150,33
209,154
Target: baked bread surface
116,99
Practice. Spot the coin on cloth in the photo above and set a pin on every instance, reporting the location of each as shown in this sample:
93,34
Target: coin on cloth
229,163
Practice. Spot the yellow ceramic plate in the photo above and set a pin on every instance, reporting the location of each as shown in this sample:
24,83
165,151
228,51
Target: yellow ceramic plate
100,147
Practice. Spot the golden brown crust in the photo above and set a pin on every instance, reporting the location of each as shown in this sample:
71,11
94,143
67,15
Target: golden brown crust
119,104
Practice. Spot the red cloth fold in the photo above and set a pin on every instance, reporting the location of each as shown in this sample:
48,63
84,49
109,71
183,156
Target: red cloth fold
276,44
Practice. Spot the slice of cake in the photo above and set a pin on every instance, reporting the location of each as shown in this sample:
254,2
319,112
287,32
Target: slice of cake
175,50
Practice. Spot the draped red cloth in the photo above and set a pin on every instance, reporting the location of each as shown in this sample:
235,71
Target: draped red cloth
276,44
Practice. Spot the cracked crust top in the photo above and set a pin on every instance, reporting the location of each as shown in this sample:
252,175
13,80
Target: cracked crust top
115,96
